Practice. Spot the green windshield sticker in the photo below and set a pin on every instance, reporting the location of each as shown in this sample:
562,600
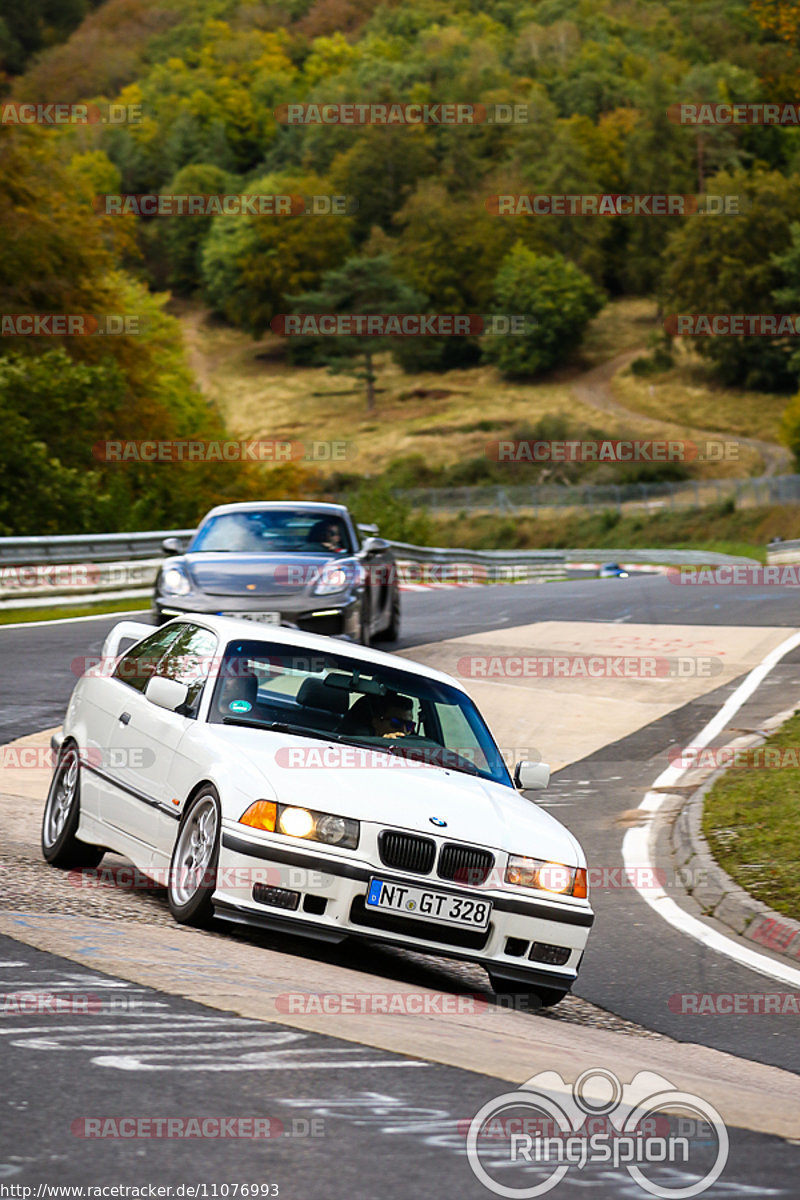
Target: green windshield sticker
240,706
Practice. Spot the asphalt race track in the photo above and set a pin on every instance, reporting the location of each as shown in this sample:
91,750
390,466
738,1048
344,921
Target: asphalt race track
390,1120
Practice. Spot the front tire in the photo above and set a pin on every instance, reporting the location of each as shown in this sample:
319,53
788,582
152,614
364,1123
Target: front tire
364,638
541,997
193,868
392,631
62,814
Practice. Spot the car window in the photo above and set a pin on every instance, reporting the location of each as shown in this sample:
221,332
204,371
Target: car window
137,665
268,531
340,698
459,734
189,659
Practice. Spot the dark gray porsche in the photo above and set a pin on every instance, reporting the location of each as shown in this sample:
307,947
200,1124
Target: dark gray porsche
300,564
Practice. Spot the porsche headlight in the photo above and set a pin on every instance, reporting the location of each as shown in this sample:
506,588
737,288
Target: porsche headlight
306,823
335,577
175,582
547,876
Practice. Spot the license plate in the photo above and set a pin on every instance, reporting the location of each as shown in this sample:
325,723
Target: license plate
266,618
428,905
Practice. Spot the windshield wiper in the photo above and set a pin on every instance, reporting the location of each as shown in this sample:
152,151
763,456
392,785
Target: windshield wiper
323,735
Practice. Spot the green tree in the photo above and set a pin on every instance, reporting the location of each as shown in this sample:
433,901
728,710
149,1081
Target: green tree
732,264
251,264
363,286
557,301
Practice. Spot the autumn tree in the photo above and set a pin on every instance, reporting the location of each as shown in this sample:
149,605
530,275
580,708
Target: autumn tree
363,286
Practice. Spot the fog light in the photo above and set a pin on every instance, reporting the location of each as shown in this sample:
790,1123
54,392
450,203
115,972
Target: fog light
543,952
276,897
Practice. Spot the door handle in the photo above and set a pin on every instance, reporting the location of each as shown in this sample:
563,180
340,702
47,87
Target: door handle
124,718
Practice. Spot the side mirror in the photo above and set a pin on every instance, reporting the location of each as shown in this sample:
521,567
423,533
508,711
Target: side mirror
531,776
172,546
166,693
374,545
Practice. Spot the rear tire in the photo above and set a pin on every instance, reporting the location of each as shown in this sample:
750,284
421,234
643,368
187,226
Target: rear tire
193,867
62,814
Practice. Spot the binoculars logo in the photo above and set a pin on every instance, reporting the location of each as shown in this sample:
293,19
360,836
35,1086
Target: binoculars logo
673,1144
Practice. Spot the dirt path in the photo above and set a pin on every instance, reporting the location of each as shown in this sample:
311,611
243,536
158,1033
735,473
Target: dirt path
594,390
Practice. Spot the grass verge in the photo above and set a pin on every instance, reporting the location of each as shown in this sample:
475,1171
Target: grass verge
744,531
751,821
11,616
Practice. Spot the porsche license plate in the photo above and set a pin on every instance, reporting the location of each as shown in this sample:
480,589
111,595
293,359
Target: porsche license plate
266,618
428,905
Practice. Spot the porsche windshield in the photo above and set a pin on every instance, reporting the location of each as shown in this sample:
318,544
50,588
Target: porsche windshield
332,696
268,531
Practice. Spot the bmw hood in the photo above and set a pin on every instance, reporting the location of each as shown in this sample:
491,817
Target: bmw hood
388,790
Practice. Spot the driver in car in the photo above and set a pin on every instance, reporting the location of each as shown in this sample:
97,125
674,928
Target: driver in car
327,533
393,716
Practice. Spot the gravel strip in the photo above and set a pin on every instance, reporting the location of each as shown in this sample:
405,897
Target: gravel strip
28,884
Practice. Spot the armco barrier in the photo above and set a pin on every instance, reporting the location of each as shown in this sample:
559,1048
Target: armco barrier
114,566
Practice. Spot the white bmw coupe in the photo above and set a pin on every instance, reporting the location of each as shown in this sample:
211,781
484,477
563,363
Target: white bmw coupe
285,780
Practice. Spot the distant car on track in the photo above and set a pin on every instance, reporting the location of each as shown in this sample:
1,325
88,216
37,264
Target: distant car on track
612,571
285,780
293,563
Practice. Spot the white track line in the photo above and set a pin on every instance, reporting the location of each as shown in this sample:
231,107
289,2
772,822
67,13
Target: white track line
133,612
636,843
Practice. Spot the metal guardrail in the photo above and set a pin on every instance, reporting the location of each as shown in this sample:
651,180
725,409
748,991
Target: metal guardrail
671,558
86,548
783,552
47,571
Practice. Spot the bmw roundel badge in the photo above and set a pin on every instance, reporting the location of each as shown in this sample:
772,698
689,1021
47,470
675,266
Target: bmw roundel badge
437,821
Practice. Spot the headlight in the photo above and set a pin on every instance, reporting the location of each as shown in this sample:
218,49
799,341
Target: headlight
175,582
547,876
335,577
302,823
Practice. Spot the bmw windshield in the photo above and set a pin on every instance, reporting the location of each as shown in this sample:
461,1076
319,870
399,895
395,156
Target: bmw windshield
332,696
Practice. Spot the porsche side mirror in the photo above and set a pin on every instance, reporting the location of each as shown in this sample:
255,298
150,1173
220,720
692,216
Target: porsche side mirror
166,693
374,545
531,776
172,545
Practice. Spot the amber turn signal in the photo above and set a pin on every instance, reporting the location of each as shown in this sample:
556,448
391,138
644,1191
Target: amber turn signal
261,815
